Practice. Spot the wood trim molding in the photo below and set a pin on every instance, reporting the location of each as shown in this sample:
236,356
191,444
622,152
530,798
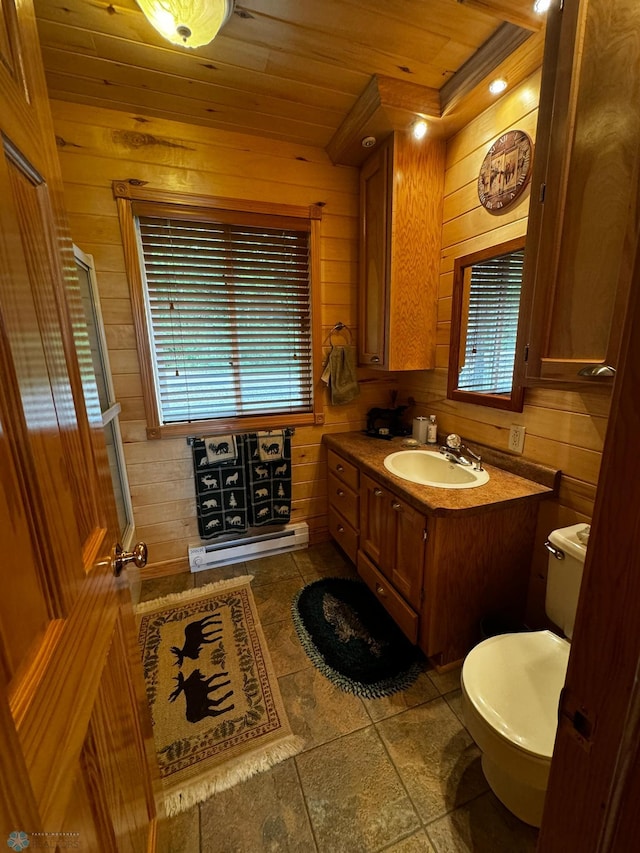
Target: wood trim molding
133,191
484,61
136,290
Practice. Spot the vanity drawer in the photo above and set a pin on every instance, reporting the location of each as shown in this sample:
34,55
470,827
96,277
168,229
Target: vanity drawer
344,534
344,499
404,617
347,472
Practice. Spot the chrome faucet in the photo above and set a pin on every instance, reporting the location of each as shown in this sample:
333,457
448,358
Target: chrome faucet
455,450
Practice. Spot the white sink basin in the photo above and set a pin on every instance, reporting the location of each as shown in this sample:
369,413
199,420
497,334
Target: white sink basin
430,468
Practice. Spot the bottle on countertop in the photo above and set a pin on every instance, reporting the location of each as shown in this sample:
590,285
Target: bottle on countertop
432,430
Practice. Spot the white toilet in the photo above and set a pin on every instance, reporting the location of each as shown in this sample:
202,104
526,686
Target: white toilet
511,686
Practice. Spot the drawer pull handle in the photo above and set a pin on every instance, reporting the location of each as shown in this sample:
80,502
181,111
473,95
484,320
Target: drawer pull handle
375,359
340,493
381,591
340,468
377,493
395,505
340,529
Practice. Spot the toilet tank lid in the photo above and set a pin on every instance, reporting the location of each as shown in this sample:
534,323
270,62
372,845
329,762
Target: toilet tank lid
566,538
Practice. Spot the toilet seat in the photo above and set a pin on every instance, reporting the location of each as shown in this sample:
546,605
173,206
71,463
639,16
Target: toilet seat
513,681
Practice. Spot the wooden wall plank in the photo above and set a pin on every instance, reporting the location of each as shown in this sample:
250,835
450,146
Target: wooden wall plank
564,429
174,156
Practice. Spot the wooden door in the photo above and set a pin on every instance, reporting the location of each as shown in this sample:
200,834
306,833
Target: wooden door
592,797
374,521
75,743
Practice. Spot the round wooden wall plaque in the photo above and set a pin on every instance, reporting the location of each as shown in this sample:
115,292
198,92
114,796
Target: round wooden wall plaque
505,170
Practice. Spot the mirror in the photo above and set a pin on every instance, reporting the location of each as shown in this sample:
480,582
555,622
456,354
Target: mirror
484,326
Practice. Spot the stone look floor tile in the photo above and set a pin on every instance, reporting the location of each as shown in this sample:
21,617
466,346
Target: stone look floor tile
277,567
182,832
286,652
445,682
322,560
265,813
159,587
422,690
274,599
355,799
221,573
454,701
317,710
418,843
435,757
483,826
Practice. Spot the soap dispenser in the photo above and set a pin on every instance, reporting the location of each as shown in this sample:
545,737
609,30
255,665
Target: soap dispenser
432,430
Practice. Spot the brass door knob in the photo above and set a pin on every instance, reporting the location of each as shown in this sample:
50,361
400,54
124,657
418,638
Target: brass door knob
120,558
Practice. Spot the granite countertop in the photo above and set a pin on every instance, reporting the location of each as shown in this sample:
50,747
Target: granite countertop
524,481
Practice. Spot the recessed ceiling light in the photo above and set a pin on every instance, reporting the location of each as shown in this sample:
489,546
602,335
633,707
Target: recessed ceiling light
419,129
497,86
541,6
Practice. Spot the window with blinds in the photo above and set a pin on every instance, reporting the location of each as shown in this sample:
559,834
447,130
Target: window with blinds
488,345
228,304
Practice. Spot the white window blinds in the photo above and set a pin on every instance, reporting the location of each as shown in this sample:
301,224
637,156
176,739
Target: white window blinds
229,310
494,302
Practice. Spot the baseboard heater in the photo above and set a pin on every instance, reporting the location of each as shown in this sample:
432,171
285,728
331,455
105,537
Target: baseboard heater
290,537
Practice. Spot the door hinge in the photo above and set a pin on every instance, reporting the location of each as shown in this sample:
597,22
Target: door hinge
526,353
425,535
542,193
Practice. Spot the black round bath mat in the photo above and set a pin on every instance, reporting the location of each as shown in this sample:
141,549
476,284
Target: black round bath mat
352,640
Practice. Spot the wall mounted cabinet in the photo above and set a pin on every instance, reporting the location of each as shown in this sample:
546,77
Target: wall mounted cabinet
401,196
584,213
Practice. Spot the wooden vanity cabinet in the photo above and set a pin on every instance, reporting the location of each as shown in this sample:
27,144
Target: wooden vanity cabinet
344,503
585,209
401,197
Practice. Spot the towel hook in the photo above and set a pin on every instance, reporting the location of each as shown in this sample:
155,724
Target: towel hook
339,327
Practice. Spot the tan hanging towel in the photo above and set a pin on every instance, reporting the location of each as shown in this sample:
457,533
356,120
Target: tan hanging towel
340,375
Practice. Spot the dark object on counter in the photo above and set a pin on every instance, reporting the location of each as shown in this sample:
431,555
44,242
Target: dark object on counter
385,423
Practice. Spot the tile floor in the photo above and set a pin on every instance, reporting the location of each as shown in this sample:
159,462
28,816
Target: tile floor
397,774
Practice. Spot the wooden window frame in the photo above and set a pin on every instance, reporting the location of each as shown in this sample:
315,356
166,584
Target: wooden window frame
514,401
131,199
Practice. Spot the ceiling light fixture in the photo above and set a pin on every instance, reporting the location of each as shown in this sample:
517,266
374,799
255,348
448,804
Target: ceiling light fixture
541,6
189,23
497,86
419,129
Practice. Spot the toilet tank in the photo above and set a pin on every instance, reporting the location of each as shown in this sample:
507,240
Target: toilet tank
565,575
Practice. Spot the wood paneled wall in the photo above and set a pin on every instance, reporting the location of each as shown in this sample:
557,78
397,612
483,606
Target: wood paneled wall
563,429
97,146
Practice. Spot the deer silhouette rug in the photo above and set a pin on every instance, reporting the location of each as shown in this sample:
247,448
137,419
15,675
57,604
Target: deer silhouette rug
217,713
349,636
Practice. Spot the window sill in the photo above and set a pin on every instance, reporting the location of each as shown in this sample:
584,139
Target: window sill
221,426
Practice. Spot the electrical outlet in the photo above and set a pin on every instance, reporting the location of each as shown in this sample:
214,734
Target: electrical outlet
516,438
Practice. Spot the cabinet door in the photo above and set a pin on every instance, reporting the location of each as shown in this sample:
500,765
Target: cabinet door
584,201
375,200
392,535
375,518
406,563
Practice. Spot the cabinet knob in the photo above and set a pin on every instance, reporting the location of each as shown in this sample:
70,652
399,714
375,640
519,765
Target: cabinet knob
377,493
375,359
340,529
340,468
395,505
381,590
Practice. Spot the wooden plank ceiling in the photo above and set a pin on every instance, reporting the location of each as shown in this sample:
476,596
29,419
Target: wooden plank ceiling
306,71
